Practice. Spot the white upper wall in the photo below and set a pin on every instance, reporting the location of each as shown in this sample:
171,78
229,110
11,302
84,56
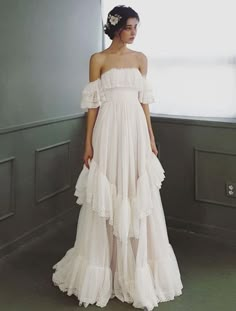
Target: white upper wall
191,49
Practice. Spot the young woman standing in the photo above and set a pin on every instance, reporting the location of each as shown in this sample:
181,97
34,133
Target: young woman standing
121,248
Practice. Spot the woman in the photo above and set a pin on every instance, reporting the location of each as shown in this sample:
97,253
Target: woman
121,248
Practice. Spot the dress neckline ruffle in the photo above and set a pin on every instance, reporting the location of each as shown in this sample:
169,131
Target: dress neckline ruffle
93,94
119,69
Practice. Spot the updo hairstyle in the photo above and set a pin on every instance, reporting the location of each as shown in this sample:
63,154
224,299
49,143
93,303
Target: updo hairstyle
117,19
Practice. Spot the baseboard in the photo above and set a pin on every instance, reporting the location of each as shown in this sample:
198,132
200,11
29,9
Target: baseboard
218,234
63,219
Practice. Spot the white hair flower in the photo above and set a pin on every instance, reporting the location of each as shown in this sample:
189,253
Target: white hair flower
114,19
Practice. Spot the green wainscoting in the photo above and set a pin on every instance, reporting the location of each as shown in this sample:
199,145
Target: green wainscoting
199,158
44,59
38,170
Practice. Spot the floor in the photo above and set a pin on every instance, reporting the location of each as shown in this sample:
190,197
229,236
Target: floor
208,271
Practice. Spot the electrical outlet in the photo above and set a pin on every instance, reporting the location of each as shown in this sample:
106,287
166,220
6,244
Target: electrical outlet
230,188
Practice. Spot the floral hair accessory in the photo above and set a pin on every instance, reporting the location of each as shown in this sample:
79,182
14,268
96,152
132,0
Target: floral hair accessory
114,19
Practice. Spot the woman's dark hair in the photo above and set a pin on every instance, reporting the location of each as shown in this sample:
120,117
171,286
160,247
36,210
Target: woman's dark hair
117,19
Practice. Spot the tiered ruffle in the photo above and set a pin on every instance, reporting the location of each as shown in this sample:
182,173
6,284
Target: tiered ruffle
76,276
146,286
144,272
122,213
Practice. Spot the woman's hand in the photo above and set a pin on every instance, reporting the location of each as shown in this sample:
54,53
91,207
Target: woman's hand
154,147
88,154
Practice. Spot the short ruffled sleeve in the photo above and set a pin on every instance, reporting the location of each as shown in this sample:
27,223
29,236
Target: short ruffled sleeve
146,95
92,95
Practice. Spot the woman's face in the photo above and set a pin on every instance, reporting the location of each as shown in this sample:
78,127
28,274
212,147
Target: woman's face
128,33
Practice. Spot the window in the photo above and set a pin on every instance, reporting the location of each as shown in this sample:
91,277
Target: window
191,50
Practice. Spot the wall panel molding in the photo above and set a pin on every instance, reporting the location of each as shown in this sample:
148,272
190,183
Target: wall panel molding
213,168
194,121
208,122
25,126
7,191
52,170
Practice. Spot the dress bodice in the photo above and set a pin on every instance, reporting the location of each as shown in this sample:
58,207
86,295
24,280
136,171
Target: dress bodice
117,82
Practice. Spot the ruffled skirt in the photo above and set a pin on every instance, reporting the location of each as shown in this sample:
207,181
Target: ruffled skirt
121,247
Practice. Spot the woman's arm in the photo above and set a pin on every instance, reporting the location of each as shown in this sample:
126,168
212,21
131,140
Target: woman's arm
143,70
94,74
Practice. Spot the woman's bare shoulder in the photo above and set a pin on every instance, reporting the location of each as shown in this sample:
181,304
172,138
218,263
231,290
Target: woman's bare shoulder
142,61
95,65
97,58
141,57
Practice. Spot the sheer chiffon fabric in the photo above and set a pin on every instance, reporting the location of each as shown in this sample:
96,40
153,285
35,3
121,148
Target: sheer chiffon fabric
121,248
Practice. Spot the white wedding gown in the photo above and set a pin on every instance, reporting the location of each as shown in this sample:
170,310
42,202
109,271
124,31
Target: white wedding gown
121,247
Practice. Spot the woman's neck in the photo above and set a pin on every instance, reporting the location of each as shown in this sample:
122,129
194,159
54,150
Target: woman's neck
117,46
